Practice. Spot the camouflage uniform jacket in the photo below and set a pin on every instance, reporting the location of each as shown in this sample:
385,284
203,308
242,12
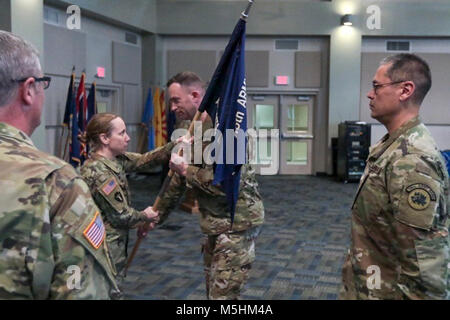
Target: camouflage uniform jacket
46,225
212,201
109,187
400,245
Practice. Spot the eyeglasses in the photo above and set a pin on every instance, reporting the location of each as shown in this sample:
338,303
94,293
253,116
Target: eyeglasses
44,80
380,85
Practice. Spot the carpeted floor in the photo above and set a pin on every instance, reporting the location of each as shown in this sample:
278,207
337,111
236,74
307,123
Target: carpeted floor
299,253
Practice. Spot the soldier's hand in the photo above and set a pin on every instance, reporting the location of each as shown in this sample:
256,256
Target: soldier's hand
151,215
143,230
178,164
187,139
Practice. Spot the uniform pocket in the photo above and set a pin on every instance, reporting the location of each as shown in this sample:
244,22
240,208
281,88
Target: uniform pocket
233,250
433,258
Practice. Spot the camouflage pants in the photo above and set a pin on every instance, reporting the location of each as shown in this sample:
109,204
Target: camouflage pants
227,261
117,244
346,291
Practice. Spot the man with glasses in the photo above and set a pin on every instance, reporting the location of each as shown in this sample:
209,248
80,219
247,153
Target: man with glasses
400,244
51,233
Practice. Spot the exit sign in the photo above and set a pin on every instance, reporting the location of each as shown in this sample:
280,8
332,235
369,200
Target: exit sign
281,80
100,72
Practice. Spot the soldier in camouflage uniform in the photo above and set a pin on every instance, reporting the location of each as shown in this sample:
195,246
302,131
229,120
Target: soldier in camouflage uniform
105,173
51,234
228,254
400,245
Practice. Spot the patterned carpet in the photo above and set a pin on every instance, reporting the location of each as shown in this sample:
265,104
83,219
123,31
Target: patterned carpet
299,253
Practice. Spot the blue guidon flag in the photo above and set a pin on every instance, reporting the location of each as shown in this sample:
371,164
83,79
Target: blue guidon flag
74,144
225,101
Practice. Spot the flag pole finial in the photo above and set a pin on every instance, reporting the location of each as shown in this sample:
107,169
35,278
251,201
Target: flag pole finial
244,14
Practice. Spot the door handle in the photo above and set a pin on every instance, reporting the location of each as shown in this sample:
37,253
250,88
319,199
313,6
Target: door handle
297,136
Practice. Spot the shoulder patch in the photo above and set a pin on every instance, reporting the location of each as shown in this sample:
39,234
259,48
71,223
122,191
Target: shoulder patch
118,196
95,231
109,186
420,196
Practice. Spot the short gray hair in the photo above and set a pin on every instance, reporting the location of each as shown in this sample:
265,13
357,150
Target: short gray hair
18,59
410,67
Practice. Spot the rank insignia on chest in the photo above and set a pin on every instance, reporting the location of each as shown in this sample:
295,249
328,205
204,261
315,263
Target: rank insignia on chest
118,196
109,186
95,231
420,196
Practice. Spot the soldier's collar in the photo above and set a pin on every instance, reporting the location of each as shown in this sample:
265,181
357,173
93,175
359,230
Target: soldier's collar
388,139
13,132
405,127
112,164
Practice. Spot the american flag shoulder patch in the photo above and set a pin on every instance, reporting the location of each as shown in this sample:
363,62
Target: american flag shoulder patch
109,186
95,231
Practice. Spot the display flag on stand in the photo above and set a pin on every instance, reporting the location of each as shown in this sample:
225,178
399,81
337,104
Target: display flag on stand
81,103
74,144
68,113
81,111
225,101
70,95
147,119
91,102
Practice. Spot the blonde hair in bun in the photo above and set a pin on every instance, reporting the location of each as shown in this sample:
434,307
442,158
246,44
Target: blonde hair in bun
99,123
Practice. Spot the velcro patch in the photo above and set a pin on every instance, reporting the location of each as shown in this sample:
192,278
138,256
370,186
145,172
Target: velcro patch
420,196
109,186
95,232
118,196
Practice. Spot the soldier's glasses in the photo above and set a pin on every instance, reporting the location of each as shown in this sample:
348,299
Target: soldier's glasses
44,80
376,86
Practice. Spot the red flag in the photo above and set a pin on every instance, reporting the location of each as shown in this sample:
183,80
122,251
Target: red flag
81,107
81,103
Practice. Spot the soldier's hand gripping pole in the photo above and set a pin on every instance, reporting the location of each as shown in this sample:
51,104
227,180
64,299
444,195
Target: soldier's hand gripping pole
160,194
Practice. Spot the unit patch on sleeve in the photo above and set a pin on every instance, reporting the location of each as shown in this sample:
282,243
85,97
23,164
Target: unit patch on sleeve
95,231
118,196
419,196
109,186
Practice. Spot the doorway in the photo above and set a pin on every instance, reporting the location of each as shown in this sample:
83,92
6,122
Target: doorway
283,125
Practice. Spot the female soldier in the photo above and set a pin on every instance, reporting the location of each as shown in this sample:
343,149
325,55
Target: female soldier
105,173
